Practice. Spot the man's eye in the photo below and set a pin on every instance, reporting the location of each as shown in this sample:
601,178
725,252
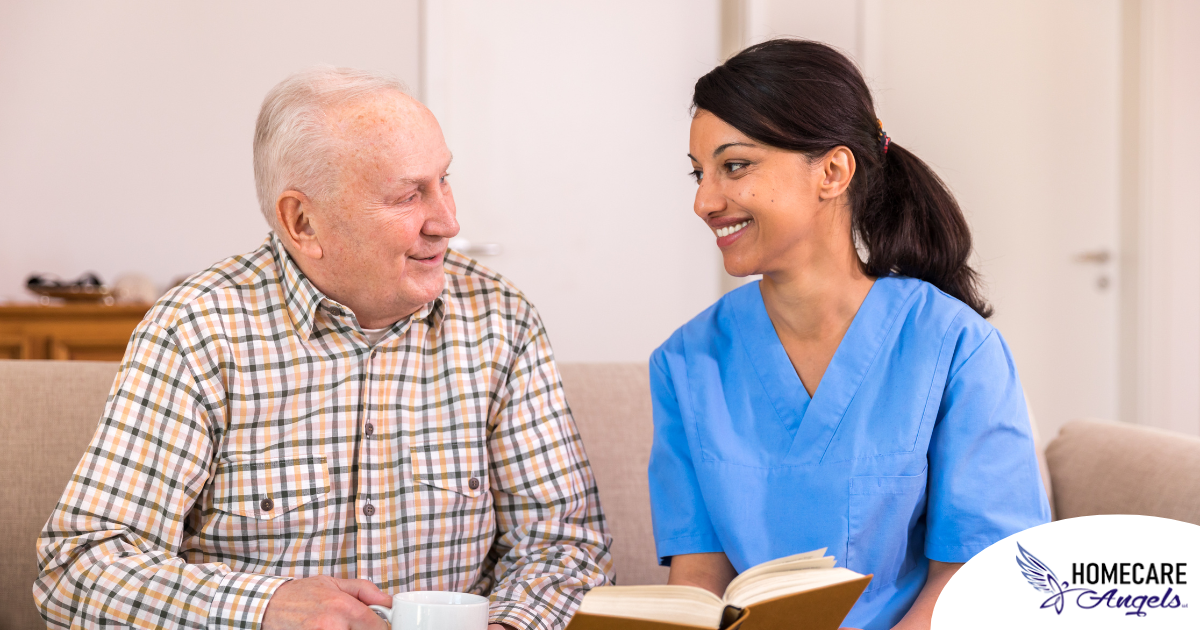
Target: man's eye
697,175
442,180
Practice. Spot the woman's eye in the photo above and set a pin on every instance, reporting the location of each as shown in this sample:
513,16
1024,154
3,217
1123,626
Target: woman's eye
734,167
697,175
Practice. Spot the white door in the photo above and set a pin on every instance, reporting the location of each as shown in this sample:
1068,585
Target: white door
1016,105
569,127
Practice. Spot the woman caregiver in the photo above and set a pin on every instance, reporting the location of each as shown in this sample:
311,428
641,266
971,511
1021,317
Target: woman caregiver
855,398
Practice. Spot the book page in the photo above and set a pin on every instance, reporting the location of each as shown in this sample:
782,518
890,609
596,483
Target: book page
786,583
687,605
806,560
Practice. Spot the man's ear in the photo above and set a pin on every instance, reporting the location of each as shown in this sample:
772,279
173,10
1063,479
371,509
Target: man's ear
837,169
293,215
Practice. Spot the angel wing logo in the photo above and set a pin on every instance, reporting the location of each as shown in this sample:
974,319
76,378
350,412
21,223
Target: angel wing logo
1042,578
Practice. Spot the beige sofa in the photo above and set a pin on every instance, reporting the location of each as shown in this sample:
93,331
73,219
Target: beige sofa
48,410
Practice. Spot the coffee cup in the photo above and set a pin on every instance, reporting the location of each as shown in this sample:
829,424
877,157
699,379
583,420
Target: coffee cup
436,610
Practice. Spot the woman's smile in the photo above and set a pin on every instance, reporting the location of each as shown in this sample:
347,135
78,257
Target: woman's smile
728,234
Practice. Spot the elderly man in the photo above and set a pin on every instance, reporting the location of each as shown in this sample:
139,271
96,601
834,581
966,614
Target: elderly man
348,411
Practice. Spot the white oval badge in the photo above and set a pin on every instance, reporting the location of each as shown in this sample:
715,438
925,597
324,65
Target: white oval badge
1118,571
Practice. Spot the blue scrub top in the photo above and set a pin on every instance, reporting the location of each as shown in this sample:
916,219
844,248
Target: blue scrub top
916,445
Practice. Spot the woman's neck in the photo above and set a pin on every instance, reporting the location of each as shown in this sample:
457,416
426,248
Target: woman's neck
815,297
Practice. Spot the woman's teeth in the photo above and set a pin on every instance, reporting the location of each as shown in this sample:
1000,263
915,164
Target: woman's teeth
726,231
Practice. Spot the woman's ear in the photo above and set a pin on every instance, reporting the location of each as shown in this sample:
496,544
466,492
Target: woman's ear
838,168
294,217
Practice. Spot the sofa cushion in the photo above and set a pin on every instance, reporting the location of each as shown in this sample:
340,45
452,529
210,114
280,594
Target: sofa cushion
611,405
49,412
1111,468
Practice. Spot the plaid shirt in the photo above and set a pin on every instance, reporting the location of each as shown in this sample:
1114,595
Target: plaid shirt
253,435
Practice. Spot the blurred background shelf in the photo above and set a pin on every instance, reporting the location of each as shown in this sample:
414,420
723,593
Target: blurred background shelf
68,332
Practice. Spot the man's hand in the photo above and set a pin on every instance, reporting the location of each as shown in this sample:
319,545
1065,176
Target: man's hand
325,603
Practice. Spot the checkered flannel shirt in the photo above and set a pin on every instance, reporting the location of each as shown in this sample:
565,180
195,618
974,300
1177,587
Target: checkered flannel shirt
254,435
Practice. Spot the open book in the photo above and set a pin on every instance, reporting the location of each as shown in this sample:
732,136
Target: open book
800,591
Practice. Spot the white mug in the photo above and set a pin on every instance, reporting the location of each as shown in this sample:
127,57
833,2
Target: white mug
436,610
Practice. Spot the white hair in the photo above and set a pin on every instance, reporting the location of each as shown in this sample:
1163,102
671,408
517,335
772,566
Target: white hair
292,140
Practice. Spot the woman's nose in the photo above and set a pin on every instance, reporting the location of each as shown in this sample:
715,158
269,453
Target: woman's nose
708,199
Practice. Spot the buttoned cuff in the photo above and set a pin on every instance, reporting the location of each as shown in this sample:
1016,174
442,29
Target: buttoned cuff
517,615
241,600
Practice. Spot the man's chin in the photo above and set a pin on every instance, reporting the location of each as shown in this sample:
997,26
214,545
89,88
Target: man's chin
423,290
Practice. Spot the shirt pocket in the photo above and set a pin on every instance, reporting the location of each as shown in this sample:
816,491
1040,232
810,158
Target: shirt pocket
268,503
453,506
456,466
884,512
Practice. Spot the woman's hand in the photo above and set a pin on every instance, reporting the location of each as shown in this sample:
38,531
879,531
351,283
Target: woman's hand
920,616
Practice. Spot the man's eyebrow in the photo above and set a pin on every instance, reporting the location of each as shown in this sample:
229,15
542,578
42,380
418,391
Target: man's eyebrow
418,181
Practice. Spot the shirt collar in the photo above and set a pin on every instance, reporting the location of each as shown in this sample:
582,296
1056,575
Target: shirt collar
433,311
302,298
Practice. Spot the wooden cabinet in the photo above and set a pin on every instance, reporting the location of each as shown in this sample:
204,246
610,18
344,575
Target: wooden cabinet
71,332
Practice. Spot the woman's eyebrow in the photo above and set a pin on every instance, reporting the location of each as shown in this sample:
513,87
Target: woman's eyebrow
732,144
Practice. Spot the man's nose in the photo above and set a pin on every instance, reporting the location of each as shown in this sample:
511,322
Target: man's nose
441,220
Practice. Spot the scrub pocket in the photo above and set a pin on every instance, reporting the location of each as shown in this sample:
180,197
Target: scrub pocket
883,513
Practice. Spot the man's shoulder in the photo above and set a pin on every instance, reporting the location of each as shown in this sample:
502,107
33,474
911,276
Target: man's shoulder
472,286
229,283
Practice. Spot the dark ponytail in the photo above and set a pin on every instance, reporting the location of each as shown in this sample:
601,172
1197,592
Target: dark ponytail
805,96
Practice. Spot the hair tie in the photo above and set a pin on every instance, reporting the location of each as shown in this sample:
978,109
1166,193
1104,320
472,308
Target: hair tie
884,140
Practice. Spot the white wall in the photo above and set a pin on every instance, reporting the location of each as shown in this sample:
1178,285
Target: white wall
569,126
125,130
838,24
125,136
126,126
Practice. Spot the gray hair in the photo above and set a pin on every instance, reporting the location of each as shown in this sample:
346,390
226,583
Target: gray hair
291,138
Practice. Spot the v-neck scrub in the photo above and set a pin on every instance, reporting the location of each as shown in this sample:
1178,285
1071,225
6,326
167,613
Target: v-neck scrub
916,444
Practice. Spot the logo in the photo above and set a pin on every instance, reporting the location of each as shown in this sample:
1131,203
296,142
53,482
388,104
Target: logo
1150,576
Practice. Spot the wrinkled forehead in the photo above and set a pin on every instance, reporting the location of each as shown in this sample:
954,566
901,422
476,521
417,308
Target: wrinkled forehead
371,114
388,125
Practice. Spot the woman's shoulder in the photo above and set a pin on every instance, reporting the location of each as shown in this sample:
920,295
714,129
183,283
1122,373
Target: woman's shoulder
941,315
705,332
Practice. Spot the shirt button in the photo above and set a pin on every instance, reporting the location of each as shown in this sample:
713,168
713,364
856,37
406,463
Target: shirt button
370,429
374,353
369,509
266,504
473,483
